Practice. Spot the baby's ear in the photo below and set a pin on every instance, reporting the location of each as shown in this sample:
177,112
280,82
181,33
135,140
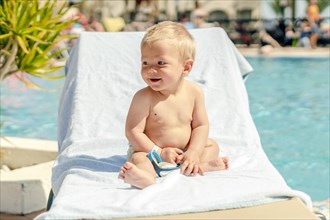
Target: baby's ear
188,64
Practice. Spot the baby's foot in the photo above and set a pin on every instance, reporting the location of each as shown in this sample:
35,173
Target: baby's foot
135,176
218,164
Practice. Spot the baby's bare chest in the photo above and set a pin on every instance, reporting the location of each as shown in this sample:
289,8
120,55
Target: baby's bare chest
177,111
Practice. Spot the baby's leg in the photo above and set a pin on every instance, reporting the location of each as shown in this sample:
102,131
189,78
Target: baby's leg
210,161
138,171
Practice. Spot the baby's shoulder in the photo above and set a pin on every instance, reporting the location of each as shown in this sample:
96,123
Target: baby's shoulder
144,93
193,87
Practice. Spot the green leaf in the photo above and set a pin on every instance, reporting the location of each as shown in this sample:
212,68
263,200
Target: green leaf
45,64
39,62
42,72
22,44
37,32
22,10
35,39
36,29
14,18
23,17
62,8
4,36
32,53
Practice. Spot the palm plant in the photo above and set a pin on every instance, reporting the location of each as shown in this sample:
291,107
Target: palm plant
277,7
323,4
30,33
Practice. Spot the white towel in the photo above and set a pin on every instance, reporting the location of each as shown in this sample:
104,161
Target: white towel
103,74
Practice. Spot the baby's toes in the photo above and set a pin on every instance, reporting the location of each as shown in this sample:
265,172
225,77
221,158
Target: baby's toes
121,175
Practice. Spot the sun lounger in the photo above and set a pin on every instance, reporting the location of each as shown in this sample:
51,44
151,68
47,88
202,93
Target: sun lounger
288,209
103,73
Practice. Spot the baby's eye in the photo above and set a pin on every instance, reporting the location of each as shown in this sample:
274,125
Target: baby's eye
145,63
161,62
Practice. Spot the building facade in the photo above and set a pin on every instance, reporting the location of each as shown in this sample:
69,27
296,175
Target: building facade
171,9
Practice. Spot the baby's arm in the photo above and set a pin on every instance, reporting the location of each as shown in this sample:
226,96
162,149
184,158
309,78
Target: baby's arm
136,121
200,124
199,136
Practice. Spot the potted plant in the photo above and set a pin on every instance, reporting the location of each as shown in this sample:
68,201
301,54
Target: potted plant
30,35
30,44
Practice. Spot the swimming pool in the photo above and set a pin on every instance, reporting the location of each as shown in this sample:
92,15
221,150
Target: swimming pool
30,113
289,100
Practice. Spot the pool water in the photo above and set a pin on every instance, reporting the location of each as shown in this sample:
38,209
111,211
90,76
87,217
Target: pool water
289,101
30,113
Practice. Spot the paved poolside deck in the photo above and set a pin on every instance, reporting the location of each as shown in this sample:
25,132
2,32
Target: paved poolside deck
4,216
255,51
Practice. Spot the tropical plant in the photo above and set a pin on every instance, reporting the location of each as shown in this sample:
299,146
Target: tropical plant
277,7
30,33
322,4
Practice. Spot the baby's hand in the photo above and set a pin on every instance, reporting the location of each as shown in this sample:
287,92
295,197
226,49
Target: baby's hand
190,163
169,154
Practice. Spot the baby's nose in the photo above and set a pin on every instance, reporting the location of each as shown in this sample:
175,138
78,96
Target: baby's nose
152,70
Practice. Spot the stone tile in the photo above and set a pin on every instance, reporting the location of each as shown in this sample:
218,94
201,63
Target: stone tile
5,216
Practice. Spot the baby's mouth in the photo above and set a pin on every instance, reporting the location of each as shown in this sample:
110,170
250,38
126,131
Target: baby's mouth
154,80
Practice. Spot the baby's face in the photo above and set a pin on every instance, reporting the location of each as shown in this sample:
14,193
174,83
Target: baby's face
161,66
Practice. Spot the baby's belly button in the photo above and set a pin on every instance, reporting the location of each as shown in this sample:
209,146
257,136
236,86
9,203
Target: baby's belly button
175,140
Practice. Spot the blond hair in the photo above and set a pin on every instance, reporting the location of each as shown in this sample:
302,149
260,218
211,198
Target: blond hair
168,30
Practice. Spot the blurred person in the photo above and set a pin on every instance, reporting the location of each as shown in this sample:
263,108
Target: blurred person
244,35
304,32
94,25
199,19
313,16
266,39
267,43
137,26
277,31
185,21
147,11
290,36
313,11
